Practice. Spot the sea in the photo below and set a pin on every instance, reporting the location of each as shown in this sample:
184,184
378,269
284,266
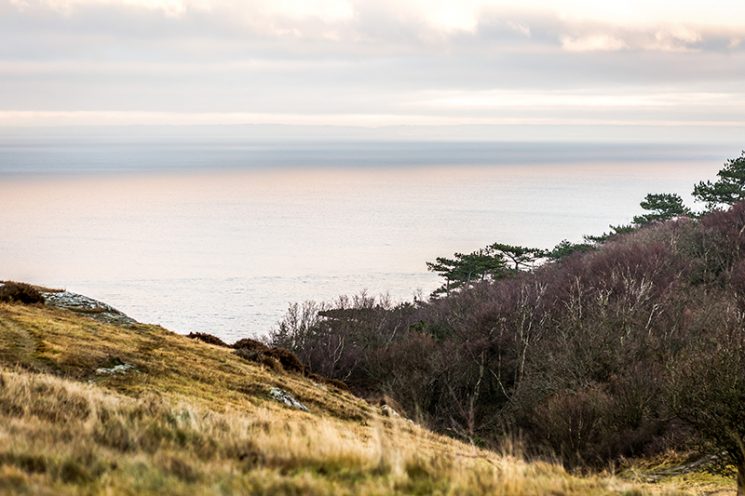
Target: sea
221,235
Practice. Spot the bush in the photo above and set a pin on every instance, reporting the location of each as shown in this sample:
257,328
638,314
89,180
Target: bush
290,362
266,360
278,359
207,338
707,389
19,292
250,355
250,345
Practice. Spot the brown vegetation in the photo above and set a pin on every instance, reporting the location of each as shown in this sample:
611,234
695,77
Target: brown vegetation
19,292
207,338
576,357
280,360
250,345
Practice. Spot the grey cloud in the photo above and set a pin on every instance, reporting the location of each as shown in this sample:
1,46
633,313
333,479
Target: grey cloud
119,58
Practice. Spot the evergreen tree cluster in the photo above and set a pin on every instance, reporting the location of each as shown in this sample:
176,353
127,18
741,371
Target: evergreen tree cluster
500,260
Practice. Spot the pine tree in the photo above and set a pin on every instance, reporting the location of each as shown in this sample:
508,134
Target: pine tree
728,189
661,207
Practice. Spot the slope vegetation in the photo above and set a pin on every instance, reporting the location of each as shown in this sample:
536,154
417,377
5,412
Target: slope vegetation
89,407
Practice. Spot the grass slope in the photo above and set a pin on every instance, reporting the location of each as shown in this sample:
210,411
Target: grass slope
194,418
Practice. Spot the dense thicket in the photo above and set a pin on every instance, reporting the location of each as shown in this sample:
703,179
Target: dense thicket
617,351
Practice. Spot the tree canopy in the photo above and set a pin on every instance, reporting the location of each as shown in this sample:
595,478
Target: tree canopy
518,257
614,231
496,261
466,268
566,248
661,207
728,189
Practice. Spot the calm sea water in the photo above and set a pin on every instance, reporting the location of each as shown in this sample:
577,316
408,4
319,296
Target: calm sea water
221,237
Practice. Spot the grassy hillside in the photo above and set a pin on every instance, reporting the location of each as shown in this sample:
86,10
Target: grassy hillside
193,418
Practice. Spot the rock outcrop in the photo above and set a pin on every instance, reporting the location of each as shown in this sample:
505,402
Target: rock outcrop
88,306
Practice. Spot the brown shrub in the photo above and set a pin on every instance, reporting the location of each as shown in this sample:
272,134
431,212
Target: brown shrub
737,282
290,362
250,344
249,354
207,338
277,359
270,362
326,380
19,292
572,422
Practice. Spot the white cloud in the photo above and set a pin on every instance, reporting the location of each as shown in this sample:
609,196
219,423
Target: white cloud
448,15
325,10
676,38
170,7
372,63
518,27
395,25
593,43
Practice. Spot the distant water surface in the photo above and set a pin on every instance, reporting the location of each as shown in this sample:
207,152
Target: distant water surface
222,237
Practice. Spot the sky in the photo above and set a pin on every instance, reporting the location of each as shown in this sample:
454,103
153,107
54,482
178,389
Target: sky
464,69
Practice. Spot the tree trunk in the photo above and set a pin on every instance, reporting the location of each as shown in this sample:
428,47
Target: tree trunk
741,479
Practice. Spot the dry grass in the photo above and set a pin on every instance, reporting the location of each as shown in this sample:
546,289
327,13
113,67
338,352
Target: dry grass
61,436
672,471
193,418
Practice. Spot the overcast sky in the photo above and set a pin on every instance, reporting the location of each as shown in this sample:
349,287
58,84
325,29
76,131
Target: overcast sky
533,69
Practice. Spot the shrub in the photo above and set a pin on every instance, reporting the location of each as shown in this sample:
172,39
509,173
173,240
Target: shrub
707,389
326,380
19,292
278,359
268,361
249,354
250,345
290,362
207,338
574,422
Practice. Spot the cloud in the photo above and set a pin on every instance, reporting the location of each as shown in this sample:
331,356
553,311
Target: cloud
353,21
593,43
369,63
